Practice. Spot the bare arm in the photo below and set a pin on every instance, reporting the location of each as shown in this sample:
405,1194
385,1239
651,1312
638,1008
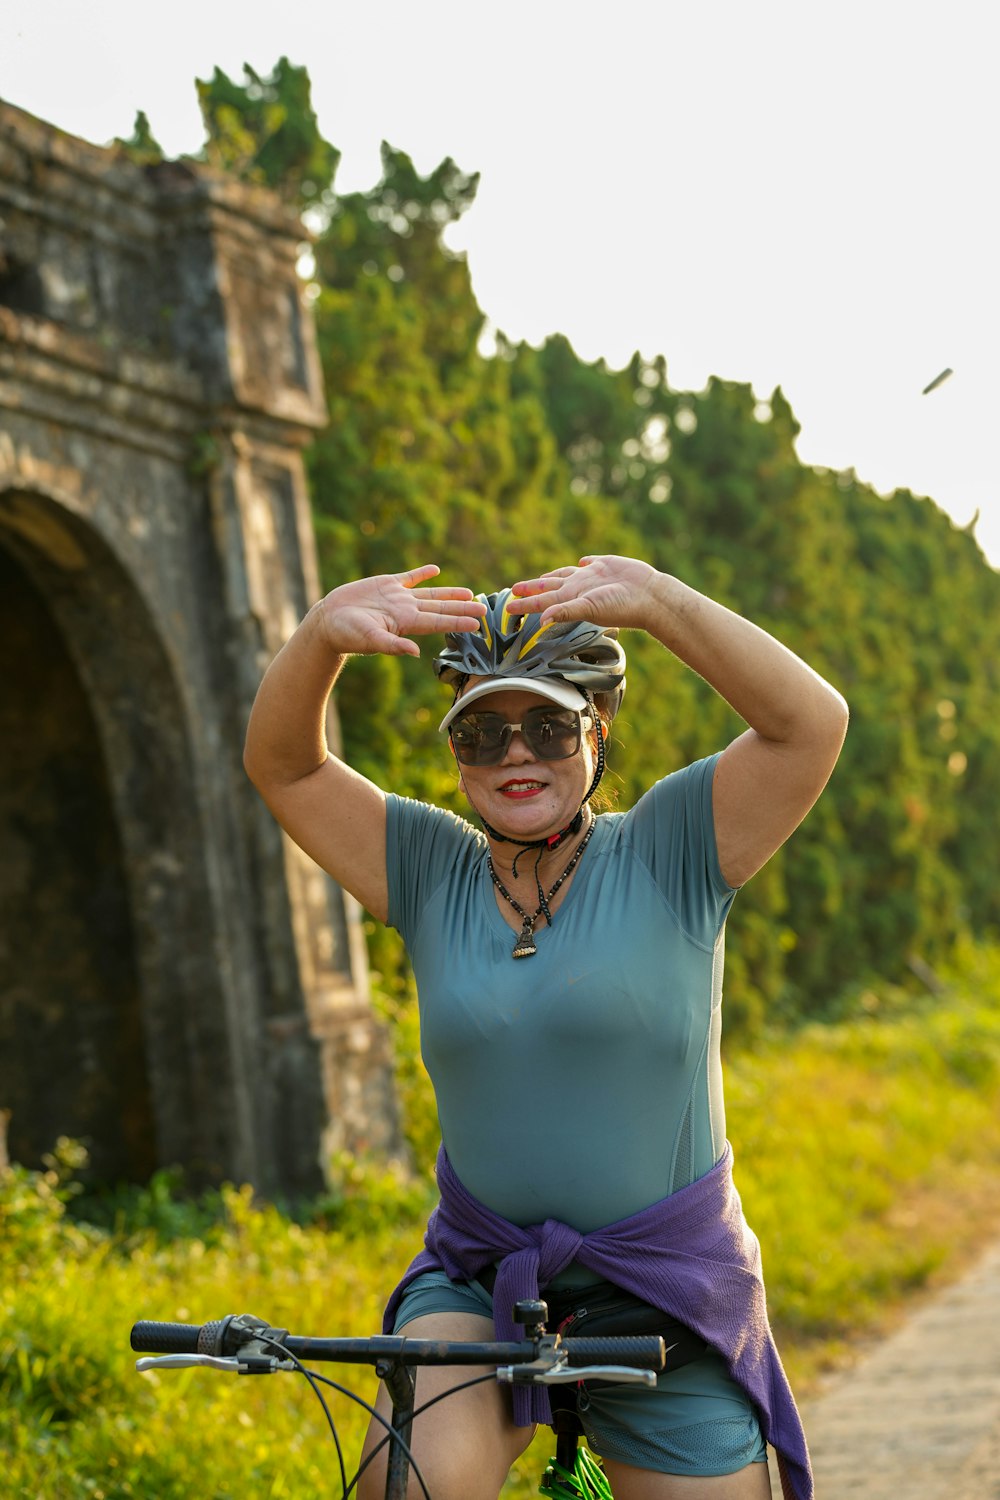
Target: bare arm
767,779
336,815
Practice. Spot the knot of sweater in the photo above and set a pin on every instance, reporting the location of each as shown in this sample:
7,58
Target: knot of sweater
522,1272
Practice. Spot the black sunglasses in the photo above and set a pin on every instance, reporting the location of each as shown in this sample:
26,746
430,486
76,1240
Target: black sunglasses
481,739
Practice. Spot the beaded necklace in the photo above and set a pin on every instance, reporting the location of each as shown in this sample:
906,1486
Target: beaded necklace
524,947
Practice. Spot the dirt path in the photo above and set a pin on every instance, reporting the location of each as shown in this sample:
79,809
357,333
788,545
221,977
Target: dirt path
918,1418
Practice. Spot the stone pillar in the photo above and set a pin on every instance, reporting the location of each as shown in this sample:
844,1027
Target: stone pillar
158,382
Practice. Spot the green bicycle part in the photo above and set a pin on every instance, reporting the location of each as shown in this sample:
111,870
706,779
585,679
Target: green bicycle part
586,1481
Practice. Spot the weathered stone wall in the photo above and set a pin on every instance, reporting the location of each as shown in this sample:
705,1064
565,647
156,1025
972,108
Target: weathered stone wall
176,981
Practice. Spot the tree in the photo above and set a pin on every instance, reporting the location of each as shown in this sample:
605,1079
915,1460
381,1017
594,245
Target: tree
264,130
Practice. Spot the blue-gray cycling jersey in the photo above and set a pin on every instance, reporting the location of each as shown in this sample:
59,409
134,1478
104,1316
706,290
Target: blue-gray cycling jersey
583,1083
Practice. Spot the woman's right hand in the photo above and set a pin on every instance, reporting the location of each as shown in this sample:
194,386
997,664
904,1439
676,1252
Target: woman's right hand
377,616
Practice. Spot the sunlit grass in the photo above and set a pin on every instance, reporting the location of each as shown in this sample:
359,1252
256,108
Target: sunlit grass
865,1152
868,1158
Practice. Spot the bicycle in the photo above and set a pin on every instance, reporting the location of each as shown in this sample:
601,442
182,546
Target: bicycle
247,1345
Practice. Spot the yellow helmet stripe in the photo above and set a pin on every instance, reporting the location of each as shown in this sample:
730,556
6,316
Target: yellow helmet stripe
530,642
506,623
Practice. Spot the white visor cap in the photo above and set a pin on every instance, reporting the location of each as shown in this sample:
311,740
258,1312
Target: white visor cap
552,688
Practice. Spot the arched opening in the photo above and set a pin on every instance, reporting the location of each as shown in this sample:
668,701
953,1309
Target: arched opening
71,1051
113,1024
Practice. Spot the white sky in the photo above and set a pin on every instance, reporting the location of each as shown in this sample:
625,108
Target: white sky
776,192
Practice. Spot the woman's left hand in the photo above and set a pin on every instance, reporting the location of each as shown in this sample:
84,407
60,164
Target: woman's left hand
608,590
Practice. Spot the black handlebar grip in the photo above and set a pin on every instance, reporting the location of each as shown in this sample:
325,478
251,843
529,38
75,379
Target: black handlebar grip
641,1352
165,1338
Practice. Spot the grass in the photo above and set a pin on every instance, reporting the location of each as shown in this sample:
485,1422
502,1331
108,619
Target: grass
865,1151
868,1159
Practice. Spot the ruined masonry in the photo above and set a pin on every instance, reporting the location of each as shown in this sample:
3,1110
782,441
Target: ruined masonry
178,983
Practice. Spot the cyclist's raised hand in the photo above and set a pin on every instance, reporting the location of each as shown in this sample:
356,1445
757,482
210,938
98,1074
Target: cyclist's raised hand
606,589
378,615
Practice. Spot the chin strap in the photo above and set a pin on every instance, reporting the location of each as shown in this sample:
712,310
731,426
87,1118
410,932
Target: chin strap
542,845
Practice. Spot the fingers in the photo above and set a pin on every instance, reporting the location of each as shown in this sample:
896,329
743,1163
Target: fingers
566,610
552,606
546,583
428,622
438,609
414,576
545,580
385,644
441,608
533,595
403,646
462,599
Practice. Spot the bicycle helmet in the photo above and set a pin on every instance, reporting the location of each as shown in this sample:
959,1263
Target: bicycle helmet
518,651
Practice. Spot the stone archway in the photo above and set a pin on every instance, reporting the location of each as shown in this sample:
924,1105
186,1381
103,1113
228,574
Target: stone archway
158,381
111,801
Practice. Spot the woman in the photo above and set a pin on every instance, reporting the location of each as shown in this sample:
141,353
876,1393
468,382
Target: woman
575,960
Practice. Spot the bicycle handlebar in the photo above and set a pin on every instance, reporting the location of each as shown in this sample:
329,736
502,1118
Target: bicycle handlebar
229,1335
246,1345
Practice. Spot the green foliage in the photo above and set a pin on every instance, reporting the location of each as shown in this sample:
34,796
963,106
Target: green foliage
35,1230
264,130
142,146
160,1211
497,465
371,1197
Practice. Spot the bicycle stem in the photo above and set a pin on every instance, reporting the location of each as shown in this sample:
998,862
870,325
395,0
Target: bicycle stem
401,1383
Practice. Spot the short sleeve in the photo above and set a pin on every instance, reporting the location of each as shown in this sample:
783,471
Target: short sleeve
422,846
672,830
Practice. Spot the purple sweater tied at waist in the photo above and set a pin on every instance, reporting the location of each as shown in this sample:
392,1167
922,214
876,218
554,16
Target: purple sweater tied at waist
692,1255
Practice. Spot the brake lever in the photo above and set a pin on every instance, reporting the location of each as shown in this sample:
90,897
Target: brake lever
540,1372
573,1374
257,1364
185,1361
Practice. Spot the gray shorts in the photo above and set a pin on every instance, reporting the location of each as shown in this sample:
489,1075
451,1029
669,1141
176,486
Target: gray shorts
696,1421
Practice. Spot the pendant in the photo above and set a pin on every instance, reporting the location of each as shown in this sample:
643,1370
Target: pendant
525,945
